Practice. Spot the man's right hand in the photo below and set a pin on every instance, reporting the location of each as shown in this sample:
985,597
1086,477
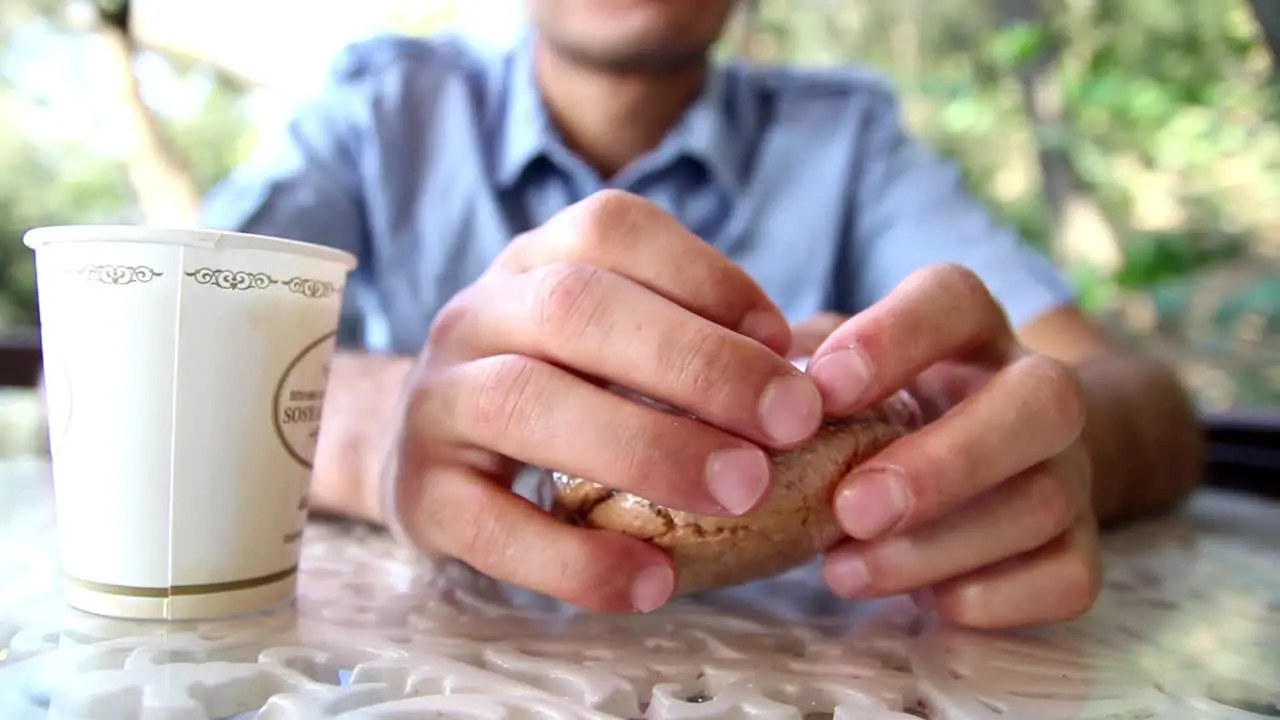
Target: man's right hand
612,291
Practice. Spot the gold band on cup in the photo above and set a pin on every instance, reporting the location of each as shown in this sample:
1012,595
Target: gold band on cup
183,590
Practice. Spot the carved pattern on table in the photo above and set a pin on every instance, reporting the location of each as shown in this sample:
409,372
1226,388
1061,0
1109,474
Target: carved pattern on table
1188,627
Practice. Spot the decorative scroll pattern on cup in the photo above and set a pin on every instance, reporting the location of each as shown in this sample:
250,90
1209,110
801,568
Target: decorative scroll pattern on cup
117,274
226,279
1187,627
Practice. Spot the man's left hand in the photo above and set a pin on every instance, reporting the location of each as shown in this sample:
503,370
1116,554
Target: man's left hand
985,512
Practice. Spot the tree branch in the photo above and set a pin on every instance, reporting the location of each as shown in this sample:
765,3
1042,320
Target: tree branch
1082,232
1267,13
229,76
165,190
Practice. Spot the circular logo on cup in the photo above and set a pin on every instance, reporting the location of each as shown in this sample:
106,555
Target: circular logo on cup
300,399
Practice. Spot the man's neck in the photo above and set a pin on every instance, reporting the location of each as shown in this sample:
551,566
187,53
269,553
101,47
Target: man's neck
610,119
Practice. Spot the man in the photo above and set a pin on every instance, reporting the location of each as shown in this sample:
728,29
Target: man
599,206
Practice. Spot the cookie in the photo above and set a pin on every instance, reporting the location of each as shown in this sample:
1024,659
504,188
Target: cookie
792,526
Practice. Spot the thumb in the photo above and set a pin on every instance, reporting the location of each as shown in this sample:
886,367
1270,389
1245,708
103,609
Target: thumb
807,336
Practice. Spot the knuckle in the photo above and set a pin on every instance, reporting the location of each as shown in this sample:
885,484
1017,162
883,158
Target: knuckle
517,252
1053,504
959,282
597,571
1074,590
451,318
649,467
640,461
1061,390
567,297
926,500
733,289
428,515
937,466
573,576
601,216
702,365
971,296
613,199
886,574
958,293
965,604
479,538
1080,583
611,203
426,398
506,393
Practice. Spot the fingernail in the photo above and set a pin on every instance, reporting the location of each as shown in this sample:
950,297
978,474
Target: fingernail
737,478
790,409
765,326
847,574
842,376
652,588
873,504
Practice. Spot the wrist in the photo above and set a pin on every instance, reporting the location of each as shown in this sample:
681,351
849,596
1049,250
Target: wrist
1141,437
1108,430
382,433
362,408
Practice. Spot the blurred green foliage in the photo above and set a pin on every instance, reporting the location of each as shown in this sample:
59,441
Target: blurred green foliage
1159,116
50,182
47,186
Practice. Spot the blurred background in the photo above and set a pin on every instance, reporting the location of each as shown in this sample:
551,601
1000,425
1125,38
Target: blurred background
1136,141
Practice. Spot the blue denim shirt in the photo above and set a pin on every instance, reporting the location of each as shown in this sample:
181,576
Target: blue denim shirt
423,157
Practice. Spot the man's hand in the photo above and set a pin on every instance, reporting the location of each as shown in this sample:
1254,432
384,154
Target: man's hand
985,510
612,291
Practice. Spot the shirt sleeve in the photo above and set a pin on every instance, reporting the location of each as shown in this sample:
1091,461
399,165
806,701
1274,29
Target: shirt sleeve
912,210
304,184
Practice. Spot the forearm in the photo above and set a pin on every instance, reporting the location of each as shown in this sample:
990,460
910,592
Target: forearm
362,396
1142,434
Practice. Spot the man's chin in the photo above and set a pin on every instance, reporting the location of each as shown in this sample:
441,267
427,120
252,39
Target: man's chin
654,58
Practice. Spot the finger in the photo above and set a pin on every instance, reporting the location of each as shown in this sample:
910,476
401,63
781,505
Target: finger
946,384
939,313
610,328
1017,517
461,514
1030,411
1058,582
541,415
807,336
630,236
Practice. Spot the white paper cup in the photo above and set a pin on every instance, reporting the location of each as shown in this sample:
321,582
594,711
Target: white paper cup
184,373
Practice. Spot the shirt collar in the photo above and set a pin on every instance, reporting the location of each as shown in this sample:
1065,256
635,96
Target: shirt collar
524,126
713,131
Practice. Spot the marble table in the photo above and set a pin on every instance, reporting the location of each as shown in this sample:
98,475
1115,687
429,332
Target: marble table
1188,627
